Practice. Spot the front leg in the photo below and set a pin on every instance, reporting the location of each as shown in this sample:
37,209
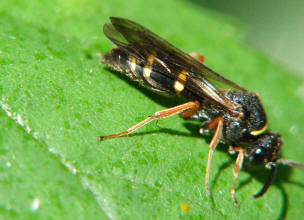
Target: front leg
238,166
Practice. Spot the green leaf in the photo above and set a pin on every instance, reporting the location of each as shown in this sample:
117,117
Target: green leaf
34,182
52,85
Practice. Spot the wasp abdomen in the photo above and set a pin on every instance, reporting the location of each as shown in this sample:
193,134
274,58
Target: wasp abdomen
150,71
120,61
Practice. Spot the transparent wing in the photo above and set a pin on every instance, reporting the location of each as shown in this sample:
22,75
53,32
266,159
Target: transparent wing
140,42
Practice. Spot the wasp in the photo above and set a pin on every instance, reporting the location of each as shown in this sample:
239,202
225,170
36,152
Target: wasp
231,113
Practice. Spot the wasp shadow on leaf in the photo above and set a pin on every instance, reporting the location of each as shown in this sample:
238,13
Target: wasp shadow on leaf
162,99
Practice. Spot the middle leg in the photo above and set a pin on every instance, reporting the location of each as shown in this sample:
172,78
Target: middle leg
215,139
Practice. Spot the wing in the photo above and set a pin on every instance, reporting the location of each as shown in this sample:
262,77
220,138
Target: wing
138,41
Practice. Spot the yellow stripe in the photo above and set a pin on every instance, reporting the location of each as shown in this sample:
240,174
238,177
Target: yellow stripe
183,76
132,64
178,86
258,132
179,82
147,72
150,59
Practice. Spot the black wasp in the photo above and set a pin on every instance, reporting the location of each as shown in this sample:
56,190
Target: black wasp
235,115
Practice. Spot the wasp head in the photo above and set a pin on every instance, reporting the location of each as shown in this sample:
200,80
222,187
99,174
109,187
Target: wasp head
265,148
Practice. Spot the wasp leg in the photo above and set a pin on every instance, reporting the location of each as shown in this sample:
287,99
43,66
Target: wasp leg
189,112
157,115
199,56
215,139
238,166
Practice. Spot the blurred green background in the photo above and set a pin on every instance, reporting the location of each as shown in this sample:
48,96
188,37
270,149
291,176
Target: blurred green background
275,27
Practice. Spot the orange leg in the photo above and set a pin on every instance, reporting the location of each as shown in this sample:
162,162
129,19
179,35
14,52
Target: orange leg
199,56
190,112
157,115
212,145
238,166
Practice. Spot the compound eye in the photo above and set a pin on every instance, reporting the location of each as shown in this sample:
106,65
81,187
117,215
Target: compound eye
258,155
258,151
